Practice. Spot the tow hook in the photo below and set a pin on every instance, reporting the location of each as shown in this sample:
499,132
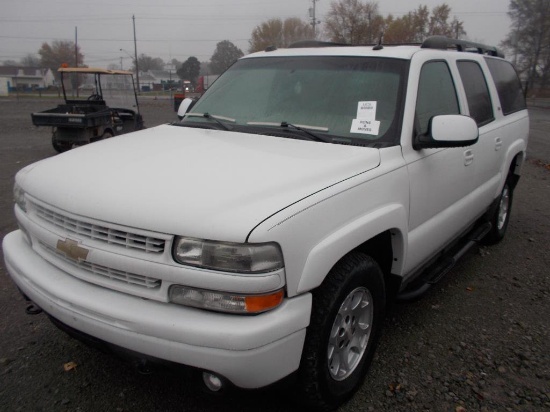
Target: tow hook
33,309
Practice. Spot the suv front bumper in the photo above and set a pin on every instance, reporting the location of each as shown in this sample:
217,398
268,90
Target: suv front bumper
249,351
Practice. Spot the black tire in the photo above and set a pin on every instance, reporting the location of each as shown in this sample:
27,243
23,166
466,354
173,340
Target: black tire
324,382
500,216
107,135
58,146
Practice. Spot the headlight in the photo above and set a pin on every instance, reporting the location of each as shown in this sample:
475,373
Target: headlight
228,257
19,197
224,301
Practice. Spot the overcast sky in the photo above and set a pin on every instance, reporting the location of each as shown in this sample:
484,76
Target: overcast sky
182,28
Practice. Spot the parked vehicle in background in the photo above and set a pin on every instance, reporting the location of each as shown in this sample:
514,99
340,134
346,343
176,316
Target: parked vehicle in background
205,82
264,234
99,104
188,91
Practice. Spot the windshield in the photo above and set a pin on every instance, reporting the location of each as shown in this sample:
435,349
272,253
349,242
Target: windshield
345,98
116,90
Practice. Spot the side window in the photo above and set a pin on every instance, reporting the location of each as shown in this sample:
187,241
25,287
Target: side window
436,94
477,92
508,85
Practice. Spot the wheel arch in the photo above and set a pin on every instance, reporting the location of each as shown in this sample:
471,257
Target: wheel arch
514,168
380,235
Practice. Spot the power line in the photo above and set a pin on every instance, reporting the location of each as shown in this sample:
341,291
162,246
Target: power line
120,40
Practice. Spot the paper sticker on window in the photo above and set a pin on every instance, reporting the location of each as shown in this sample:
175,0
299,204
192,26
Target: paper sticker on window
366,110
365,126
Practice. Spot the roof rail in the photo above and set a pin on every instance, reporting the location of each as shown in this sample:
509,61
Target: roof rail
315,43
444,43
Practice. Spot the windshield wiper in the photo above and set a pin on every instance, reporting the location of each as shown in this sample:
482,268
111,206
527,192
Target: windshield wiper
215,118
301,128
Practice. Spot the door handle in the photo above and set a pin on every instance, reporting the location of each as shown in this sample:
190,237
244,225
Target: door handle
498,144
468,157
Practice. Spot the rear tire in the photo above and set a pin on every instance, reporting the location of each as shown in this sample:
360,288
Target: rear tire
347,314
60,147
500,217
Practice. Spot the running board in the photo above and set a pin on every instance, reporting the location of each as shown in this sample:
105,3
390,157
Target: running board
444,265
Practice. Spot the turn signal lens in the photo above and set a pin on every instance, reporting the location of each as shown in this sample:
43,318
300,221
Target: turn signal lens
225,302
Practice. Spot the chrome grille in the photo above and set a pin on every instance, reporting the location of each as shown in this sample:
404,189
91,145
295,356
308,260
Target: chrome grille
101,233
106,272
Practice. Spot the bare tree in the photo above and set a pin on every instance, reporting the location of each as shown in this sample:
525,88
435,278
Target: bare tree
146,63
353,22
529,40
30,60
415,26
59,53
279,33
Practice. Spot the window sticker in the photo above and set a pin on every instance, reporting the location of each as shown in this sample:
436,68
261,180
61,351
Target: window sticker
366,122
366,110
365,126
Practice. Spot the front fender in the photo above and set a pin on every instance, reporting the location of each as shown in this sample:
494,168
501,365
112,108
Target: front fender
331,249
319,230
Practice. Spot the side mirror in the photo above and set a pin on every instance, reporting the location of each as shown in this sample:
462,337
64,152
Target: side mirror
185,105
449,130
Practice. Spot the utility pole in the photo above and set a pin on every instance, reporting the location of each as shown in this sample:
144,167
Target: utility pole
76,59
76,47
314,20
135,52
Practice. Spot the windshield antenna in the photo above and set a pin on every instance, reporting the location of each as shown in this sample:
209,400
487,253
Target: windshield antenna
380,40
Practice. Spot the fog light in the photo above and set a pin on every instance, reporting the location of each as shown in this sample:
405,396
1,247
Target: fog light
212,382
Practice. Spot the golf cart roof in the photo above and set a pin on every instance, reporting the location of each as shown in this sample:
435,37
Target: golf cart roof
91,70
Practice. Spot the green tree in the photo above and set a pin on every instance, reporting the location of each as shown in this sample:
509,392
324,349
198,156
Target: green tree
190,70
225,55
279,33
146,63
529,41
353,22
58,53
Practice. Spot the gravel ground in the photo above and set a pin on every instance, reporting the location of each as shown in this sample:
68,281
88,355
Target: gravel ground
478,341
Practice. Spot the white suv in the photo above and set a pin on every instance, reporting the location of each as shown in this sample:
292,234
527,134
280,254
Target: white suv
264,234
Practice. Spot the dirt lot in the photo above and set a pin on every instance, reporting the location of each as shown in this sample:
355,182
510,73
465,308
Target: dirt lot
479,340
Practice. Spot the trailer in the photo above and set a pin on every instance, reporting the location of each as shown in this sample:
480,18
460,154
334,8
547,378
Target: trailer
99,104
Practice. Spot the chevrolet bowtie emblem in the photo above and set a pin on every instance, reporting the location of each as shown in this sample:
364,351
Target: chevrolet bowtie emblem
72,250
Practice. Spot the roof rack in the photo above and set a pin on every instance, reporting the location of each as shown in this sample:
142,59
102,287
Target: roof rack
315,43
433,42
444,43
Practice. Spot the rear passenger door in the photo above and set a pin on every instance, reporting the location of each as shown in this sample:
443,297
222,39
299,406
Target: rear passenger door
488,152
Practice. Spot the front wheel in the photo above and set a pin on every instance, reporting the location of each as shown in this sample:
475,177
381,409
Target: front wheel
347,314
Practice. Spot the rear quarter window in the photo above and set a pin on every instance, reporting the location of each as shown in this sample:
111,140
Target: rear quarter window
508,85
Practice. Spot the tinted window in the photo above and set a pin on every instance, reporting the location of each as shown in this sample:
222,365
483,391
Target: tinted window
477,92
436,94
508,85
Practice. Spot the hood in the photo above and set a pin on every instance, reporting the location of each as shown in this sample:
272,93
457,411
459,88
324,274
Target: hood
202,183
